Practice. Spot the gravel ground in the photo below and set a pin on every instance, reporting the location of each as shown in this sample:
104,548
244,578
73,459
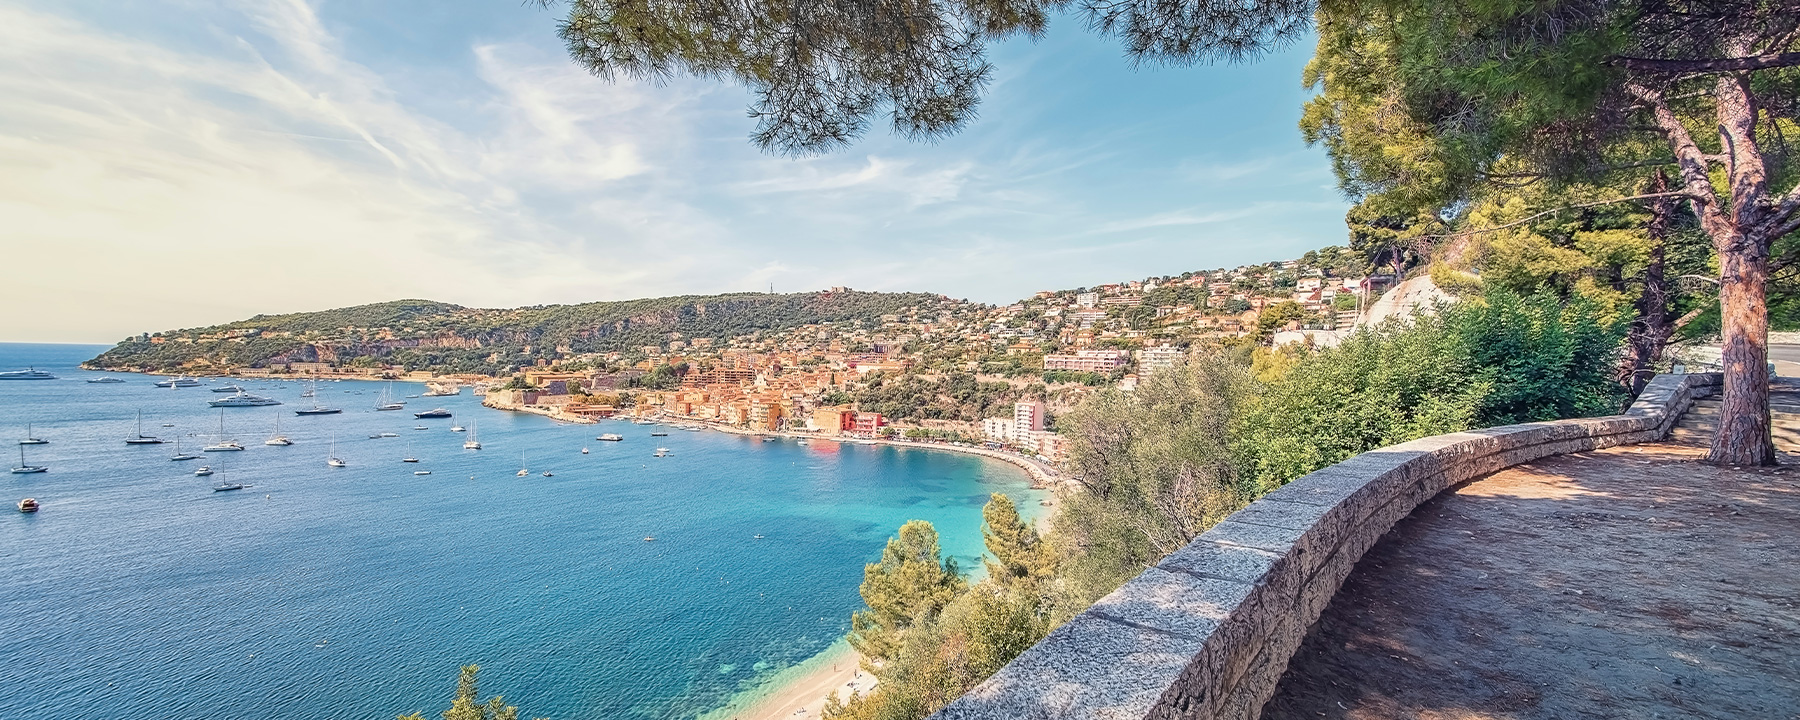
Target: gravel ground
1625,583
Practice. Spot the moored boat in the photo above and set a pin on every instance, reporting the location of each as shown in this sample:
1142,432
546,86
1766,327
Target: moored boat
140,438
28,505
433,413
243,399
610,437
662,452
204,471
105,380
27,374
178,382
30,439
25,467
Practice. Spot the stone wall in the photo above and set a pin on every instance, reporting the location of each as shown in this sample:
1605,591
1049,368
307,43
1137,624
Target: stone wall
1207,632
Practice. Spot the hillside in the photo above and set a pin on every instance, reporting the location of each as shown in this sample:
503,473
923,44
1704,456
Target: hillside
427,335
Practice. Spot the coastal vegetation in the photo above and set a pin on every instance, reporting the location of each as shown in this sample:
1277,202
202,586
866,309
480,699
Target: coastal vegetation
1160,464
425,335
468,705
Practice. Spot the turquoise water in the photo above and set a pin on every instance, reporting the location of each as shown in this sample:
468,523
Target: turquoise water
356,592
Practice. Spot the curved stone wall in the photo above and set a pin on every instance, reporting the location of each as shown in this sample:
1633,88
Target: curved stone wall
1207,632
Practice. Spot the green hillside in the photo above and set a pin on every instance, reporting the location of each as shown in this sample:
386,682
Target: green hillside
427,335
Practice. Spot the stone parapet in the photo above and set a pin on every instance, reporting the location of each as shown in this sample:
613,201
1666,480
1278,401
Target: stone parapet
1208,631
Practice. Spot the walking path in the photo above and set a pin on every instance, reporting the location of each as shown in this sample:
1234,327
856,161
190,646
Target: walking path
1632,582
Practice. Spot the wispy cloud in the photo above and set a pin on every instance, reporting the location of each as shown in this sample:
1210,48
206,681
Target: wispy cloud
254,161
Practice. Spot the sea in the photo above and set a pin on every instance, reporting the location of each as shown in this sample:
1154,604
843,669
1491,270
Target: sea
357,592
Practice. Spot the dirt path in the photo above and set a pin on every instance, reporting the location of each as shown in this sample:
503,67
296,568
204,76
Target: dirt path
1624,583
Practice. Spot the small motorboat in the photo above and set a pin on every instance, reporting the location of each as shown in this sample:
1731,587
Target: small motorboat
584,451
547,473
421,472
647,538
456,428
30,505
659,433
204,471
409,459
432,413
420,427
768,439
610,437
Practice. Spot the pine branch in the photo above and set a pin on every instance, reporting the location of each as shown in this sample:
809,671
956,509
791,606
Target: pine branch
1765,61
1597,203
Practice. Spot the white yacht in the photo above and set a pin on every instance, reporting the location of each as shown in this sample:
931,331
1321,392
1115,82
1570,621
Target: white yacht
610,437
178,382
228,389
243,399
472,443
29,374
105,380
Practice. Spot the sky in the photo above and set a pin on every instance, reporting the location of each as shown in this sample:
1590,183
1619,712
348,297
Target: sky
180,163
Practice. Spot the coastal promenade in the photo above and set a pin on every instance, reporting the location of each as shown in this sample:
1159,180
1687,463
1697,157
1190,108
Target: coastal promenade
1627,582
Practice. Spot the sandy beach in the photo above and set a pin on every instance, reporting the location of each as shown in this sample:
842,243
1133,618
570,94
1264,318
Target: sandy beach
800,692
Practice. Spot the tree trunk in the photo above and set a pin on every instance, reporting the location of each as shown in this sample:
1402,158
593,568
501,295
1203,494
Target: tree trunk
1743,435
1650,333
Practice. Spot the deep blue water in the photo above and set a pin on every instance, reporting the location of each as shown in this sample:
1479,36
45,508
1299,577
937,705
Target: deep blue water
356,592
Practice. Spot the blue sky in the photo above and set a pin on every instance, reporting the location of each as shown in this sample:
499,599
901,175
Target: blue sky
181,163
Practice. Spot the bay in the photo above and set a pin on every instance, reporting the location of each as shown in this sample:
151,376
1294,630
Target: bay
357,592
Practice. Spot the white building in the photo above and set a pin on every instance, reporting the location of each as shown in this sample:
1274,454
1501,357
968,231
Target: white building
997,429
1087,299
1153,360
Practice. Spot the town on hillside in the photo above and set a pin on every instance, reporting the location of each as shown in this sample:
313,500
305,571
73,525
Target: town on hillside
944,371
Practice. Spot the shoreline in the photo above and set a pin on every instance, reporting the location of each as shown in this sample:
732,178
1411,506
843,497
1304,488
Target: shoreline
801,690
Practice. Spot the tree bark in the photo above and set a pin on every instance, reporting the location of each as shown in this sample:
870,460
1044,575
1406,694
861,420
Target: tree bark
1743,437
1740,236
1744,427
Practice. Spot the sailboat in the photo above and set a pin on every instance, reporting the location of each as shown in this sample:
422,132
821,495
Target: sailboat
140,438
334,460
31,440
409,456
472,443
225,486
224,444
179,455
278,438
523,470
387,399
311,390
25,467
